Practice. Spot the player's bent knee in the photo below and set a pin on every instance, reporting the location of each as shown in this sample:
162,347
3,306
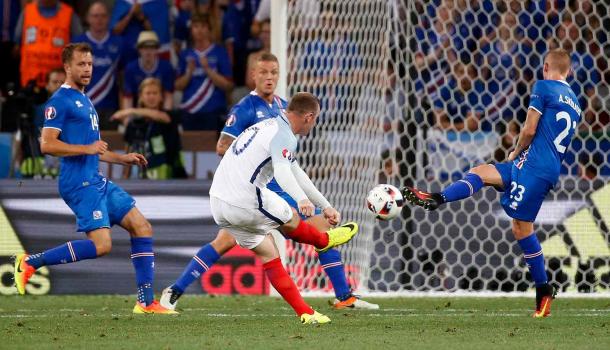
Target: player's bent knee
103,247
522,229
141,228
223,242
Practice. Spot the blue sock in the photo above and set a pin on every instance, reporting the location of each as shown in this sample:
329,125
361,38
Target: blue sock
333,266
464,188
68,252
143,260
201,262
532,251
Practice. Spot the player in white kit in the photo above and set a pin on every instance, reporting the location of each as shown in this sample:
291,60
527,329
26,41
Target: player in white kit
242,204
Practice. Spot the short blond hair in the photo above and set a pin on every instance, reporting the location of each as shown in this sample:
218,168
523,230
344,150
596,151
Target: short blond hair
559,60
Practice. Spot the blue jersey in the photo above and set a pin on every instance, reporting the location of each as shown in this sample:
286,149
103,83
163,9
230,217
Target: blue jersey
157,13
201,95
250,110
107,60
72,113
560,114
135,74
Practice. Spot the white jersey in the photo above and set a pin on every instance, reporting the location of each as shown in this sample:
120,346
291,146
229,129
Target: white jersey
247,166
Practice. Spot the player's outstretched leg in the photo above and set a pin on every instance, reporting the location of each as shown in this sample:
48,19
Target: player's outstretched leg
143,260
532,252
473,181
283,284
69,252
302,232
199,264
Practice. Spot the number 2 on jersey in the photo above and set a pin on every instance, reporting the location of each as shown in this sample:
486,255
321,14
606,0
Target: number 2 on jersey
565,132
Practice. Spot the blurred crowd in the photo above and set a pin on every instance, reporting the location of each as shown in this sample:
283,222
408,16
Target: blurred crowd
461,65
196,51
475,61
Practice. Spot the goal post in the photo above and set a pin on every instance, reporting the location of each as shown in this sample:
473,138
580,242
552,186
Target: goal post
417,92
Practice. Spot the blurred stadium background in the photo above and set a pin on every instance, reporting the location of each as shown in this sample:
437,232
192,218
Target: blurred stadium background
413,92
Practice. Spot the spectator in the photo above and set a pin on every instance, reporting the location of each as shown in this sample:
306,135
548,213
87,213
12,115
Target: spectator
8,60
148,65
204,77
264,35
40,52
585,76
131,17
503,60
461,102
107,61
236,24
262,15
152,131
182,22
32,162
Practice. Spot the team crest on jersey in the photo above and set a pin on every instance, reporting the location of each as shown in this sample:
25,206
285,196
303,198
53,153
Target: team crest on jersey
97,214
78,104
50,113
231,120
287,154
260,114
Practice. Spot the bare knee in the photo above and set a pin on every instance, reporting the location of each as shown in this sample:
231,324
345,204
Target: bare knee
292,224
102,246
223,242
522,229
141,228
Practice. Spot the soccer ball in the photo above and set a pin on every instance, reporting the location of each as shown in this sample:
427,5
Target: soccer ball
385,201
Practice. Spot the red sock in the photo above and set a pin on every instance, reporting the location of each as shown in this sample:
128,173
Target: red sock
308,234
280,280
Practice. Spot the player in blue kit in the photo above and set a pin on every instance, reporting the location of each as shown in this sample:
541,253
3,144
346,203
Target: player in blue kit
532,170
71,132
259,105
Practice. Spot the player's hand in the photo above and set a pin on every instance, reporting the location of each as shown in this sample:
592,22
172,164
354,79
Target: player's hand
512,155
98,147
306,207
332,215
134,159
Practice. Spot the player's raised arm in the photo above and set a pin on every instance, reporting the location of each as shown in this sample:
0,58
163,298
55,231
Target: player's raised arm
51,144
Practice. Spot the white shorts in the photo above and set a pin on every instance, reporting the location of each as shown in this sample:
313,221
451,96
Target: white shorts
250,226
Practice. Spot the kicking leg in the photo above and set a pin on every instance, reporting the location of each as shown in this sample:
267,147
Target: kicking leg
532,251
303,232
473,181
199,264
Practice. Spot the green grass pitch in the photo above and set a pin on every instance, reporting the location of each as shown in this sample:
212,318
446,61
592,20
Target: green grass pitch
106,322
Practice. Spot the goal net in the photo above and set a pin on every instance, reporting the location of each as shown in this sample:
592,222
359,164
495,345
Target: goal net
417,92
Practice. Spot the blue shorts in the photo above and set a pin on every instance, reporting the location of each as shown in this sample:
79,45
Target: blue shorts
100,205
293,204
523,191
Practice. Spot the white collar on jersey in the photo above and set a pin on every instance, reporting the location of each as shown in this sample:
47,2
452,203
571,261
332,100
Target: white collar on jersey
67,86
98,42
149,72
276,98
564,82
